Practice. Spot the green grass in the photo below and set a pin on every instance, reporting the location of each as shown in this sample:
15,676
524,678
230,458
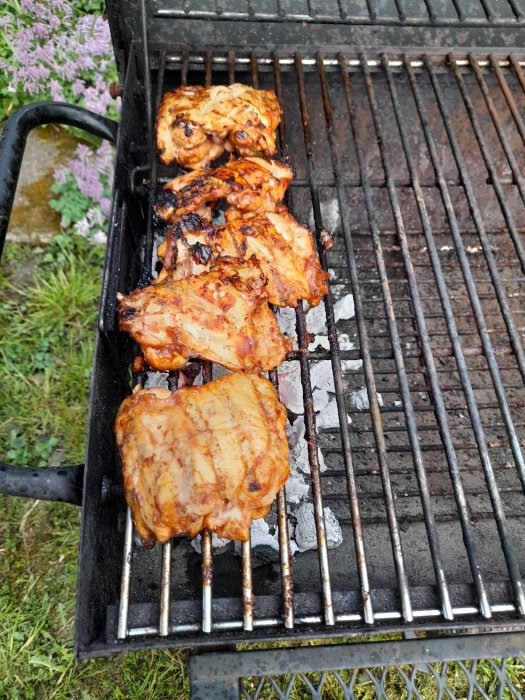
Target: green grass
48,306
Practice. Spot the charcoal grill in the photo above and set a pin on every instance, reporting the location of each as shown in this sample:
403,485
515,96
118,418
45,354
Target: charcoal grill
404,123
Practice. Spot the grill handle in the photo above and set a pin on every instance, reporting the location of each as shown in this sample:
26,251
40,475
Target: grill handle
45,483
14,137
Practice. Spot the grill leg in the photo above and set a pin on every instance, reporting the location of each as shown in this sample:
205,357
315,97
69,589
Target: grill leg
204,683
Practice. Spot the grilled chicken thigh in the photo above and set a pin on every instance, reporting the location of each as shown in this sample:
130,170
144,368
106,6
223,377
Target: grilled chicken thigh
222,316
285,251
195,124
212,456
248,185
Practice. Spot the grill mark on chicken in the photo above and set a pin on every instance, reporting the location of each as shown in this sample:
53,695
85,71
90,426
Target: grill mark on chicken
249,185
202,457
195,125
285,251
222,316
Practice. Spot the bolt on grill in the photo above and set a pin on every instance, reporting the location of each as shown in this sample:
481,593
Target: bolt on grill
415,163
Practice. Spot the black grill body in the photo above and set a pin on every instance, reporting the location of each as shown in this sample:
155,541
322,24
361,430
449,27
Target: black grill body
406,134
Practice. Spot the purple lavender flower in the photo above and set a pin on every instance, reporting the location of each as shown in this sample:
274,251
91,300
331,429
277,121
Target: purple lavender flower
52,51
56,91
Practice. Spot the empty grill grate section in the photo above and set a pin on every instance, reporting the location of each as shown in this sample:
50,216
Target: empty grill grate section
414,164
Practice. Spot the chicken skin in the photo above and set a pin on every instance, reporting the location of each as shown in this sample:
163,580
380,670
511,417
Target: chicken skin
249,185
212,456
197,124
221,316
284,249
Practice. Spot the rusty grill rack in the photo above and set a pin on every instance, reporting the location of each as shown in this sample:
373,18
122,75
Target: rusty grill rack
423,156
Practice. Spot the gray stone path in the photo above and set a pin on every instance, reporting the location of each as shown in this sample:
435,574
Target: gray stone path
32,219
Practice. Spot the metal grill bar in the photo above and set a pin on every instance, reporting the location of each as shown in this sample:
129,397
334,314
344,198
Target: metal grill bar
491,263
510,555
496,120
282,515
437,396
484,335
122,626
516,64
309,415
508,96
372,391
509,220
464,611
335,356
396,341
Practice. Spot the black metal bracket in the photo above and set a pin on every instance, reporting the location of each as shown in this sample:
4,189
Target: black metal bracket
214,676
14,137
46,483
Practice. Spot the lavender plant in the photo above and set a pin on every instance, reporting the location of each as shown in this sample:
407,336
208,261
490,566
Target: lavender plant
50,49
61,51
83,189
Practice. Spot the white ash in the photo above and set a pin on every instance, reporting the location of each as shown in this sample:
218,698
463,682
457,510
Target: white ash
316,320
359,400
331,216
329,416
295,431
321,376
351,365
296,487
299,448
316,317
156,379
338,290
346,344
321,399
290,386
305,532
218,543
319,341
261,536
344,308
286,320
332,273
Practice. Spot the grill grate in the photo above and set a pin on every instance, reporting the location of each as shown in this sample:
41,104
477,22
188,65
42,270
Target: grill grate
415,163
394,12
